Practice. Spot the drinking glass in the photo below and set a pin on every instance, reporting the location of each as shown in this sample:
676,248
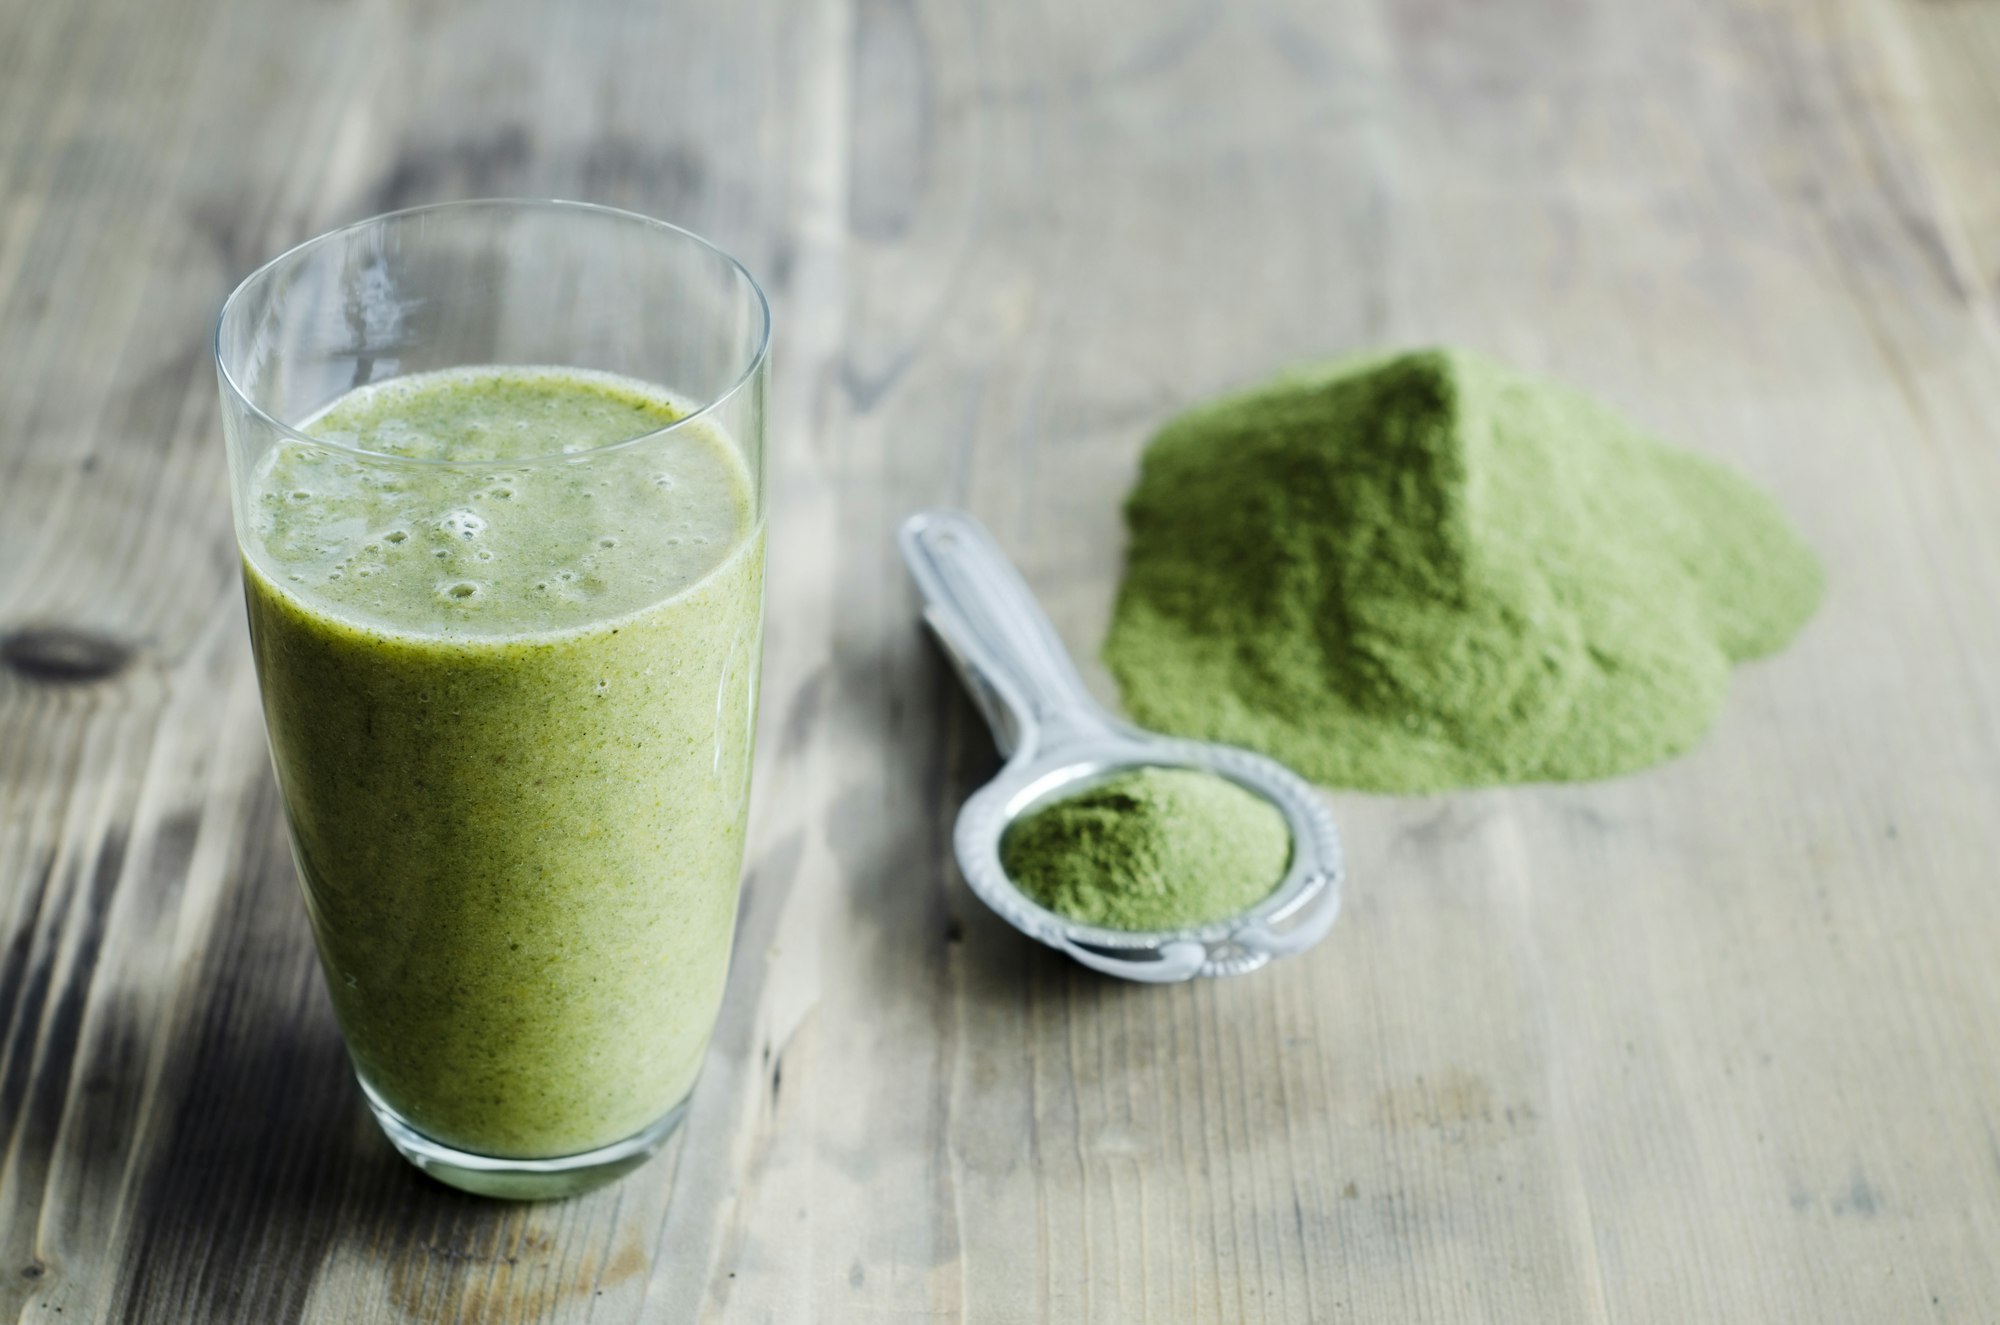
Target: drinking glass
497,472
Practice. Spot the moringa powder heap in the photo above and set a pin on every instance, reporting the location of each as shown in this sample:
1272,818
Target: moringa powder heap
1420,572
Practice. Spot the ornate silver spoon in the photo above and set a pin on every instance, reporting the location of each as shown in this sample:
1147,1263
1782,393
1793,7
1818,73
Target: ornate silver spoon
1058,741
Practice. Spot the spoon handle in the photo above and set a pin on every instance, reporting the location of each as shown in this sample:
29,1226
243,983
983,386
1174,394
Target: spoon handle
987,618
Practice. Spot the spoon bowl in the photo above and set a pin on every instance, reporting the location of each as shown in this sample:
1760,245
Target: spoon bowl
1058,742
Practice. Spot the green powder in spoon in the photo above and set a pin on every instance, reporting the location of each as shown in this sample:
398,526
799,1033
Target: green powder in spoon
1425,571
1149,849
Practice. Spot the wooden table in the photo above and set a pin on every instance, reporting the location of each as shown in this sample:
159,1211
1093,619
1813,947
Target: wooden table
1717,1042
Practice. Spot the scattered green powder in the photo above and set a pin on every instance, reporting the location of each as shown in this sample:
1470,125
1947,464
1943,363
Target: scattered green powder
1425,571
1153,848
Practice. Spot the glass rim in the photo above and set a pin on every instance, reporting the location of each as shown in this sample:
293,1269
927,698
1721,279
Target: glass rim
756,361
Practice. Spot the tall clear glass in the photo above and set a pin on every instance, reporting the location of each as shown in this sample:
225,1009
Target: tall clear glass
497,471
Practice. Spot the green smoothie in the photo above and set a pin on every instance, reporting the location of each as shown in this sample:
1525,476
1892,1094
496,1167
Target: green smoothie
511,708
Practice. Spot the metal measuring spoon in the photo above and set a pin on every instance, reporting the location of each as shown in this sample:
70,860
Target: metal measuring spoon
1058,741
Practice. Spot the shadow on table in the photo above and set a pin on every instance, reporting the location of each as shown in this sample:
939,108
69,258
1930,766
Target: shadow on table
258,1156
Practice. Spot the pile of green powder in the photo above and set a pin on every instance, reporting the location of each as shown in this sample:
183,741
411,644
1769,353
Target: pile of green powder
1150,849
1425,571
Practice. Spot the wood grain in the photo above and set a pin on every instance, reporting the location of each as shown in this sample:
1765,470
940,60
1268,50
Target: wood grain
1718,1042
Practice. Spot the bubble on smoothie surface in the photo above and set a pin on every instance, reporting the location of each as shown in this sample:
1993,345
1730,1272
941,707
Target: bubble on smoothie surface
462,524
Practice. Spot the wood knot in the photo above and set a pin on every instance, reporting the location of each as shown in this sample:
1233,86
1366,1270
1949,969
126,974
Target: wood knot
64,655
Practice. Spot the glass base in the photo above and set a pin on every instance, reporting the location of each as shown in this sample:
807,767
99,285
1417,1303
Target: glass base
523,1179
